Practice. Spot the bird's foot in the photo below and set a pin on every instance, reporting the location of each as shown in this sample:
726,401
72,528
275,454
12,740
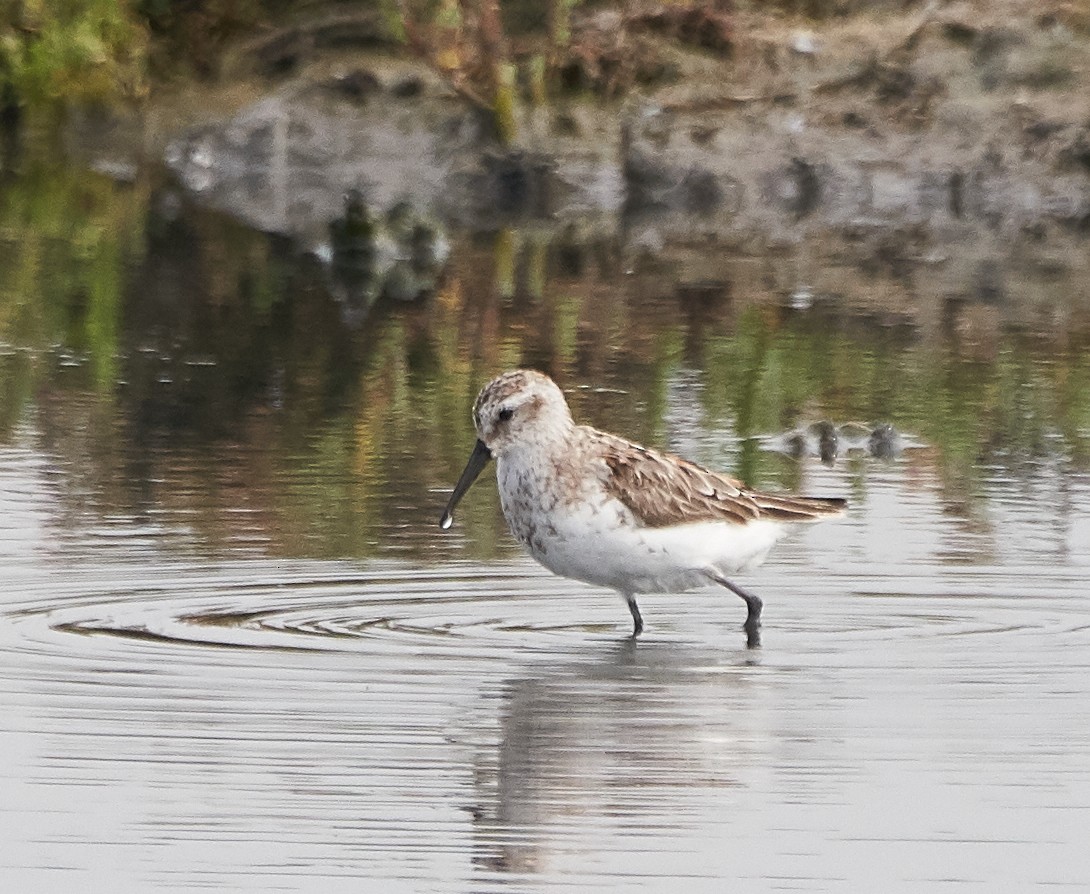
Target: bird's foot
752,627
637,618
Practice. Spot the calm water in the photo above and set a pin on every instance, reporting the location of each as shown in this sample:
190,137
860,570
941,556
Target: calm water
237,653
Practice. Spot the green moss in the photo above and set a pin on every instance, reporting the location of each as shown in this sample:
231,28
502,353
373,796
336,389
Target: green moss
61,51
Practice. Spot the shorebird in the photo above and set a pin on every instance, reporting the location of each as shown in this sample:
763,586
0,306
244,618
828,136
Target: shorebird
594,507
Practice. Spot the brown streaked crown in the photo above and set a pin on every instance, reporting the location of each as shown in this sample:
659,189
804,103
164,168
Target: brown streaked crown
519,407
504,387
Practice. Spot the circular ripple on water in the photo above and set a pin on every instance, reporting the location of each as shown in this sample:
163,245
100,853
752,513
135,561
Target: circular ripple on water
312,608
473,609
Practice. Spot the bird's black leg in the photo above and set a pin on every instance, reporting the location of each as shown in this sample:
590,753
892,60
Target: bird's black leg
637,619
754,605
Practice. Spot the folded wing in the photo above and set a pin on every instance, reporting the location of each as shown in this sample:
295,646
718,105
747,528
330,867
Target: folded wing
662,490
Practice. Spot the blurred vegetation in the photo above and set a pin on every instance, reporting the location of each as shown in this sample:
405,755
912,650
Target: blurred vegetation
54,51
62,52
495,53
189,35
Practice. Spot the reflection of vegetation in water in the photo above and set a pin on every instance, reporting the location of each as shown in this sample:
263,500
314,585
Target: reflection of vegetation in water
765,374
246,386
66,239
1024,405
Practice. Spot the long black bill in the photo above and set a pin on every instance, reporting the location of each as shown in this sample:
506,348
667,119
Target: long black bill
478,459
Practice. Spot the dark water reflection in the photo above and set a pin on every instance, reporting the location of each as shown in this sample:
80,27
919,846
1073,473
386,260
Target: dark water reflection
236,651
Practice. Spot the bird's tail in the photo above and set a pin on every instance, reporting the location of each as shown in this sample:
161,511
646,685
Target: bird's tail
798,509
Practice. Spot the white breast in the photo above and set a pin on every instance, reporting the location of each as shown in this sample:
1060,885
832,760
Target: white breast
595,538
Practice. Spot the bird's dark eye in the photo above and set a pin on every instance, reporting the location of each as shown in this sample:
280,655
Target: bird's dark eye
505,414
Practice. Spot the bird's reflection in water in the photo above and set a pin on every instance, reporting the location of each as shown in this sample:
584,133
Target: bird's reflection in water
617,744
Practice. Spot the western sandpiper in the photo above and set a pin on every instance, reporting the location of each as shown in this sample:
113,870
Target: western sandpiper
597,508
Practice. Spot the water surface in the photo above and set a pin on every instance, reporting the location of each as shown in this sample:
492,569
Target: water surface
236,652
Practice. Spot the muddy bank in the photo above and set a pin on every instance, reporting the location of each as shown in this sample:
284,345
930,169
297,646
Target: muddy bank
936,116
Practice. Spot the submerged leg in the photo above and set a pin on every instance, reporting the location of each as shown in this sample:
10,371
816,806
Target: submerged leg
754,605
637,618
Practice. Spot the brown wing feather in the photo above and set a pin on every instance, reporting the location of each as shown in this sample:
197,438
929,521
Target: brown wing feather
662,490
797,508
